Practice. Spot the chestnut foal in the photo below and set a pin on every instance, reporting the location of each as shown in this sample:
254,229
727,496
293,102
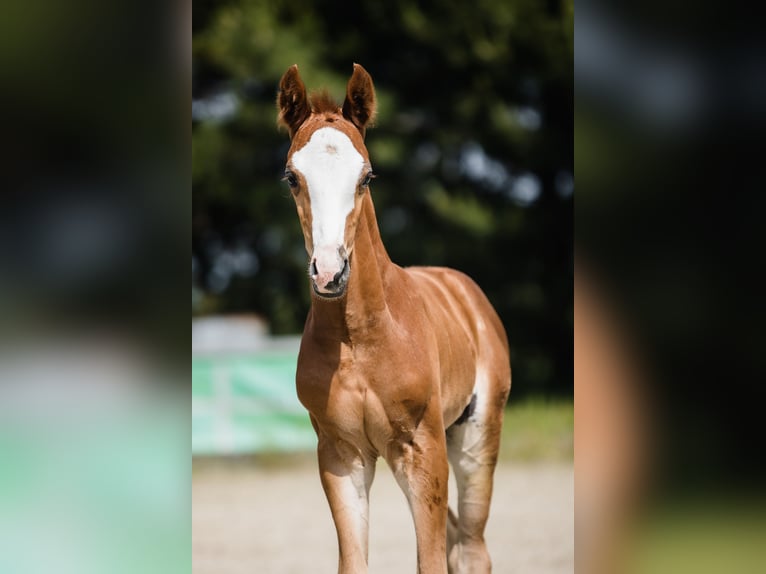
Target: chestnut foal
409,364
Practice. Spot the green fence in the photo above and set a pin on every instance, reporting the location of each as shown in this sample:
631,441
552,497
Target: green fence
246,403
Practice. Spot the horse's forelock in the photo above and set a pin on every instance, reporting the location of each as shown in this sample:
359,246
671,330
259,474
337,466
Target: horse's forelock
322,102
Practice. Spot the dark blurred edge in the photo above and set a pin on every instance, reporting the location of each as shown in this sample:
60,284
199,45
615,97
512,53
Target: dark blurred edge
670,124
670,111
95,214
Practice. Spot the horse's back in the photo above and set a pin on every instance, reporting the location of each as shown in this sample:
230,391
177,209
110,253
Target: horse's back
465,300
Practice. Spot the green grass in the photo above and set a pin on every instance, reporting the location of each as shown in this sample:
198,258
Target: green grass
538,430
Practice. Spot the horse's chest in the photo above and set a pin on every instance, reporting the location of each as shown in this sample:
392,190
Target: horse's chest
358,395
330,387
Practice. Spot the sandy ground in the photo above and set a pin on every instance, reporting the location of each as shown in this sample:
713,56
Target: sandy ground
250,519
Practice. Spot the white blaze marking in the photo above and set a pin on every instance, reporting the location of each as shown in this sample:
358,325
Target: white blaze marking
331,166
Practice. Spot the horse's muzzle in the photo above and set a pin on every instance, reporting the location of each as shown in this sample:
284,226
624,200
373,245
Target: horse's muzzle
329,287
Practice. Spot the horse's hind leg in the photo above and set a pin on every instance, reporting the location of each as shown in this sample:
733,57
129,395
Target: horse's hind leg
472,446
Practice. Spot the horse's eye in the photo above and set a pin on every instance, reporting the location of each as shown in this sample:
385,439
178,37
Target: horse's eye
291,180
367,179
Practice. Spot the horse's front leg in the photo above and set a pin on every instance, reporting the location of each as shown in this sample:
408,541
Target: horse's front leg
419,463
347,475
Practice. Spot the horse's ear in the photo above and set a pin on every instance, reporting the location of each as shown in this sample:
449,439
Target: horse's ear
292,101
360,106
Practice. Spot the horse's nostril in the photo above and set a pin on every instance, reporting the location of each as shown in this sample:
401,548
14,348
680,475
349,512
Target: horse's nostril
313,268
339,275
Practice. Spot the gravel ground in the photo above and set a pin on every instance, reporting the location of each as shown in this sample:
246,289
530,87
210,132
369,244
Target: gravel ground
266,519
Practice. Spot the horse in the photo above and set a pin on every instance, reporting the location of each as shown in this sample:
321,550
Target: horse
411,364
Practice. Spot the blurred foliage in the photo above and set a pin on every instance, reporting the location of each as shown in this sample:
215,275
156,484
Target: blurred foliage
473,149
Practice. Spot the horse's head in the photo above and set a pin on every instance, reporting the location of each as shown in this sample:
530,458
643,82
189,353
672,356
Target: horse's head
328,171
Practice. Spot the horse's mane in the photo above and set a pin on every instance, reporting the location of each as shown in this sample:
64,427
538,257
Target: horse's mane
322,102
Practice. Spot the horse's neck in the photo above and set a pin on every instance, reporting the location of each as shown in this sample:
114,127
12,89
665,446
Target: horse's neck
366,292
